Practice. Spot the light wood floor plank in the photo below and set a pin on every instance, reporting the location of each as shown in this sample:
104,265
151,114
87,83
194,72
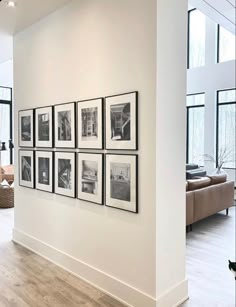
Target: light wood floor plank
28,280
209,246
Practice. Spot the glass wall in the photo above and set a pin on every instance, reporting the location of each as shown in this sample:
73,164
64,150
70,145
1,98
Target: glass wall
6,124
195,128
196,38
226,128
226,45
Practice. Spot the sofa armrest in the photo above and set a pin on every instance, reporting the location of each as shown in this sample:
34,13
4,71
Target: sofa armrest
189,207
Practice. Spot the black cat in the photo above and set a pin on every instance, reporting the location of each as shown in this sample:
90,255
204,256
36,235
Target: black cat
232,267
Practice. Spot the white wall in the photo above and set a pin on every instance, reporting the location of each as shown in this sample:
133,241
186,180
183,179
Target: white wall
6,47
6,74
209,79
90,49
95,48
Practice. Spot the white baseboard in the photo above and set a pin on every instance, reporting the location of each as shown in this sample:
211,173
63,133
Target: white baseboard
179,294
108,284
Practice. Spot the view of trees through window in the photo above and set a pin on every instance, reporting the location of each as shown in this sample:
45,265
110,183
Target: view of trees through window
195,128
226,127
196,39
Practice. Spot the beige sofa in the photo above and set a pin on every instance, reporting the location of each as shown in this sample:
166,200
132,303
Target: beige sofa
207,196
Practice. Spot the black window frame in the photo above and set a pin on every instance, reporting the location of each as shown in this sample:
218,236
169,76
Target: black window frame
188,37
188,108
9,103
218,45
218,104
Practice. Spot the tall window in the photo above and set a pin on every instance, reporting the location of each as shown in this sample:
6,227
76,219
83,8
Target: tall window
6,123
226,45
195,128
226,128
196,38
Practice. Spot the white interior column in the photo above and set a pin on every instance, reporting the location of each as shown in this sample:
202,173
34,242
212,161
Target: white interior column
171,284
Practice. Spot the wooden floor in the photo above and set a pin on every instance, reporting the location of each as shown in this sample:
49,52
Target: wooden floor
209,246
29,280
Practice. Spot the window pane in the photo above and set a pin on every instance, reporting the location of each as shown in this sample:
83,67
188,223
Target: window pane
195,100
227,134
5,131
196,135
197,23
227,96
5,93
226,45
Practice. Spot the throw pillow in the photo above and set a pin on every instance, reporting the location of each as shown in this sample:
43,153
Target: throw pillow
195,184
216,179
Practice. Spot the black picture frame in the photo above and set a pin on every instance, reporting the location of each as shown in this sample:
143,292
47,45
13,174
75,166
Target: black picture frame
65,144
121,145
40,143
136,174
26,143
86,199
32,155
37,185
87,145
58,190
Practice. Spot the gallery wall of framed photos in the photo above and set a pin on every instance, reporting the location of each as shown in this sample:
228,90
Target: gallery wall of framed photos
74,150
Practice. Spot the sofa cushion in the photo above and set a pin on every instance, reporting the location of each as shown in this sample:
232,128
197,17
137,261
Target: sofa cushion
216,179
200,172
195,184
191,167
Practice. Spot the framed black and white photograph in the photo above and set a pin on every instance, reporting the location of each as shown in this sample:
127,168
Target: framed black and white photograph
121,182
65,173
44,171
26,168
90,124
44,127
90,177
26,128
121,121
64,121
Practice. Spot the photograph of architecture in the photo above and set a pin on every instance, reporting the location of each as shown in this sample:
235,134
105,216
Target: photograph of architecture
25,128
89,123
26,164
64,174
64,126
44,171
120,181
120,122
89,177
43,127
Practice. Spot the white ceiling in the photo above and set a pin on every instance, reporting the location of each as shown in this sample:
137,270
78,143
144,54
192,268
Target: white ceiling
221,11
27,12
13,20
